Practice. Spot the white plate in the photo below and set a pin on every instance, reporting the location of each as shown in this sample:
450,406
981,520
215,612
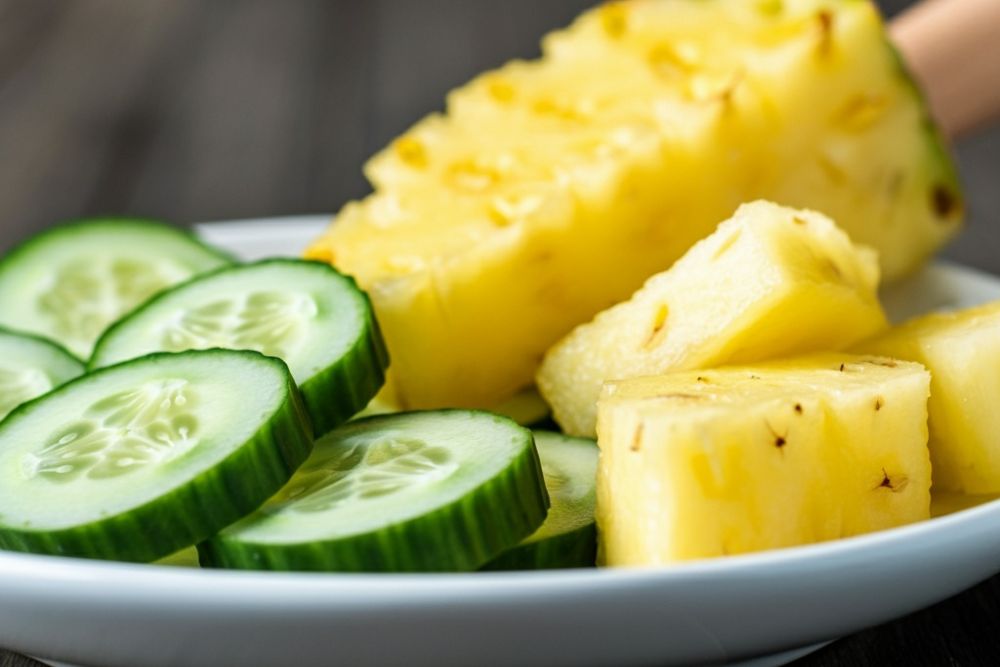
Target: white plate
112,614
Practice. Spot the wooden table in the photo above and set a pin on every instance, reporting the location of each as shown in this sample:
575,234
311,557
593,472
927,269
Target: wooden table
188,110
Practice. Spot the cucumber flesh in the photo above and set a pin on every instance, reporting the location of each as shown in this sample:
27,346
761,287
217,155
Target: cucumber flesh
70,282
568,538
412,491
139,460
31,366
306,313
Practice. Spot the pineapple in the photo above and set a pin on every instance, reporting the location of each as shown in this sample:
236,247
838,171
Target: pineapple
704,464
770,282
552,189
959,349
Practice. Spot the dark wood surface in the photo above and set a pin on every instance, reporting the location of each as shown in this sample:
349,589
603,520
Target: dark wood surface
189,110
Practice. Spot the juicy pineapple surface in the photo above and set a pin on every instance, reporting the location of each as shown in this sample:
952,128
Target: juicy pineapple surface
770,282
552,189
697,465
962,352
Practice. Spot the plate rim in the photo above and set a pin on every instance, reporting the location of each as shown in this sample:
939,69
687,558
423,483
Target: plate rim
69,587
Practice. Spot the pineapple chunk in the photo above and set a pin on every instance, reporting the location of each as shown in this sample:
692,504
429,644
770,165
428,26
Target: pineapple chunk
697,465
552,189
770,282
960,350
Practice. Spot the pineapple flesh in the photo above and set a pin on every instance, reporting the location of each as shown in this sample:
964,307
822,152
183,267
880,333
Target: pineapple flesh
551,189
703,464
770,282
962,352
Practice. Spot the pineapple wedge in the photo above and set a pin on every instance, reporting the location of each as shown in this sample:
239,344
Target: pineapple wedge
770,282
704,464
960,350
552,189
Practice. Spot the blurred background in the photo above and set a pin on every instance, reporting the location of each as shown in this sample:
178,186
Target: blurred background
189,111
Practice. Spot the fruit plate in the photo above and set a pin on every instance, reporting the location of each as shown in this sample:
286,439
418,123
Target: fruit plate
761,608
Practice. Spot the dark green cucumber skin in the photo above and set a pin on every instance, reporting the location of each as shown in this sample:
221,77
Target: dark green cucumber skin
343,389
331,396
513,504
575,549
197,509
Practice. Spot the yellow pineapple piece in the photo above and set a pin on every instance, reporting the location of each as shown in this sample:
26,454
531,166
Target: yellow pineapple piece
552,189
770,282
734,460
962,352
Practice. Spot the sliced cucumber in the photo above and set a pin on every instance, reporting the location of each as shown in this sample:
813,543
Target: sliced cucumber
306,313
412,491
30,366
70,282
136,461
568,538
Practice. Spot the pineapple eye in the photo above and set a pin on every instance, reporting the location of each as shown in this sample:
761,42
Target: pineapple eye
894,483
825,21
944,202
412,152
715,87
659,323
500,90
614,20
861,112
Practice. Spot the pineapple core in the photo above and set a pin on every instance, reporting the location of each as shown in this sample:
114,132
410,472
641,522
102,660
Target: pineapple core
703,464
770,282
551,189
959,349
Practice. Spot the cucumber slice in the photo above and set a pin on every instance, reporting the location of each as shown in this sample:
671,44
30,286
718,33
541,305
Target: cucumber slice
568,538
306,313
136,461
31,366
412,491
70,282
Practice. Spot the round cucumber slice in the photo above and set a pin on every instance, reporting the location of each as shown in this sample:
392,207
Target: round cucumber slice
306,313
412,491
31,366
136,461
70,282
568,538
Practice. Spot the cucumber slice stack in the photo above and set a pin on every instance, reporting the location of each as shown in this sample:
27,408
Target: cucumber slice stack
136,461
70,282
195,423
418,491
31,366
306,313
568,538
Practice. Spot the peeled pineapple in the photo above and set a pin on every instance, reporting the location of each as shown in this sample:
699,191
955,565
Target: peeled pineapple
770,282
962,352
704,464
552,189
